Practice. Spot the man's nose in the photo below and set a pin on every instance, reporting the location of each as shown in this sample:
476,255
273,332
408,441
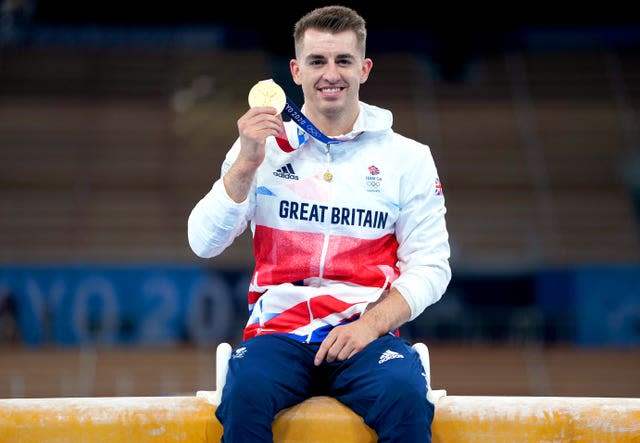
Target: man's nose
331,72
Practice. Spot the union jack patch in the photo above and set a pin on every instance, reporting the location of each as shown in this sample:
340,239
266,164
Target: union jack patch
438,186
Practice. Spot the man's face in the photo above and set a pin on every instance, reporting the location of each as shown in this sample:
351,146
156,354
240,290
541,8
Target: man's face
330,69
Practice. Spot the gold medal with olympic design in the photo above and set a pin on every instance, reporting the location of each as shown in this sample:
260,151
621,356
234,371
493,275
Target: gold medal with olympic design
267,93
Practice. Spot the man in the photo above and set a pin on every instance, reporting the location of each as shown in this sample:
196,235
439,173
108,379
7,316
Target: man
350,242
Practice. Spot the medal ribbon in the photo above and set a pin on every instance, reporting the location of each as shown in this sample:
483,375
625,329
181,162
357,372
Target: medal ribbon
305,124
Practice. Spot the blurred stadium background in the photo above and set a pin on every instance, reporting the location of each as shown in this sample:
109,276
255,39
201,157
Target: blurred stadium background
114,121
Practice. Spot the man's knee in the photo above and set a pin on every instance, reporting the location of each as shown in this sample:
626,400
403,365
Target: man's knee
247,386
398,391
246,402
401,412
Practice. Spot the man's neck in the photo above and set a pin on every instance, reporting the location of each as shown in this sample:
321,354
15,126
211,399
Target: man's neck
333,125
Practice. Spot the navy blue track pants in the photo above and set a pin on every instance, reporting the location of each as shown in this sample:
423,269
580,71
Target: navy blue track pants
384,384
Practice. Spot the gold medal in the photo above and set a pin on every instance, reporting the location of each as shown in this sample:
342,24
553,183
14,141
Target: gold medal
328,176
267,93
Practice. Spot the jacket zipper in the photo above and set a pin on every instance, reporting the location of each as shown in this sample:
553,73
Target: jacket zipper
325,244
323,253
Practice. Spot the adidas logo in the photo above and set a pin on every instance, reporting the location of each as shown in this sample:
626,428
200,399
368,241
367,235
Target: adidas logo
239,353
389,355
286,172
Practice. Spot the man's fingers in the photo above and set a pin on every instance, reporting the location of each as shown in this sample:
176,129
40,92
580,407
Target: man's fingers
262,110
263,120
322,351
259,123
346,352
256,115
336,346
335,349
343,342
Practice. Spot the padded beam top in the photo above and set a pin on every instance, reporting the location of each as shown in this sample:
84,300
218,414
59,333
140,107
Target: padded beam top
458,419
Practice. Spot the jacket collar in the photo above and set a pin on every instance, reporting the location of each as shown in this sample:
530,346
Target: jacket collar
370,119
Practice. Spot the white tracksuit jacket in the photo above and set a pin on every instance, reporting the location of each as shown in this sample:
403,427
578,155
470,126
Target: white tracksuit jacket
326,249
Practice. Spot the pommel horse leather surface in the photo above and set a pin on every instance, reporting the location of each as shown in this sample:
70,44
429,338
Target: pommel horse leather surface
458,419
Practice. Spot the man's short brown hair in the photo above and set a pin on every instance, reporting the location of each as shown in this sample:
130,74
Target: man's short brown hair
333,19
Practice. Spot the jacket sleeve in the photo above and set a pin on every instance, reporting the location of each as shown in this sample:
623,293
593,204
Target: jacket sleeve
216,220
423,251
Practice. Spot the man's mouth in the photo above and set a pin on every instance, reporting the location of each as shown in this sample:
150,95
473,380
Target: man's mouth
329,91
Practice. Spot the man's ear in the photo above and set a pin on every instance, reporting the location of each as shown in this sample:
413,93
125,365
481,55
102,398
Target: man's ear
295,71
367,65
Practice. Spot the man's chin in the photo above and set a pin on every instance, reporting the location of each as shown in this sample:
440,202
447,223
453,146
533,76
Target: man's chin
332,106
